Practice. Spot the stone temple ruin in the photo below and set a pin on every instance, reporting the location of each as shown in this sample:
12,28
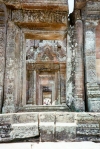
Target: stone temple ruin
49,70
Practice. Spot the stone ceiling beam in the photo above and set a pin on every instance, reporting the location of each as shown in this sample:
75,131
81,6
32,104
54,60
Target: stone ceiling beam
61,5
46,35
43,26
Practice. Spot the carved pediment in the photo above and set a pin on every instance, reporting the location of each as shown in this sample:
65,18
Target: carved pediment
47,54
47,51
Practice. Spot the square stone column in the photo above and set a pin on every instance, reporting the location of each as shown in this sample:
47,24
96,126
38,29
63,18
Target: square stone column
59,89
69,82
34,92
10,96
92,88
75,80
2,62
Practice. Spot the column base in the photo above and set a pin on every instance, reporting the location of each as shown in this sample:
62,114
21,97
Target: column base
79,104
76,104
9,109
94,105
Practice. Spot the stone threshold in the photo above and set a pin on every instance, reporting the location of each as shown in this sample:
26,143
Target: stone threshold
41,108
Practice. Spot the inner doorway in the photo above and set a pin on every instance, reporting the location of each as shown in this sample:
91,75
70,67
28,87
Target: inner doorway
47,95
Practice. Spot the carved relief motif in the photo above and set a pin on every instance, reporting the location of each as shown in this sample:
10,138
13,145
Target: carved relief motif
39,16
90,48
93,91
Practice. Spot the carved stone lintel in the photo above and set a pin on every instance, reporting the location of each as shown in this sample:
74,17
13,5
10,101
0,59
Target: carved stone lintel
39,16
41,67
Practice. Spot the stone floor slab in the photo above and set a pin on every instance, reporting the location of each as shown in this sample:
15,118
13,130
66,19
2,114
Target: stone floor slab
51,145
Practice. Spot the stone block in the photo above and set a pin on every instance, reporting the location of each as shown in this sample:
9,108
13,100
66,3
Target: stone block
88,118
47,131
24,130
65,131
86,125
6,118
88,132
65,117
25,117
47,116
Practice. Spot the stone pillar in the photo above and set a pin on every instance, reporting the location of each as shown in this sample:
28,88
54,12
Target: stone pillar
9,92
37,89
31,88
21,65
63,83
17,66
56,84
69,71
79,70
92,92
2,62
34,97
58,97
53,92
23,72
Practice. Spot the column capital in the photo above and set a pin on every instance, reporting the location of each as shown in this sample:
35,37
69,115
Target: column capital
91,24
78,15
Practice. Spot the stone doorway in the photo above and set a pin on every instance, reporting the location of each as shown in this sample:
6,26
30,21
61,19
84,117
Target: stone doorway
46,73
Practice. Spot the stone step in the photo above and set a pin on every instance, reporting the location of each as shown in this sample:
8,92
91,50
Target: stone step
24,130
57,132
50,126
